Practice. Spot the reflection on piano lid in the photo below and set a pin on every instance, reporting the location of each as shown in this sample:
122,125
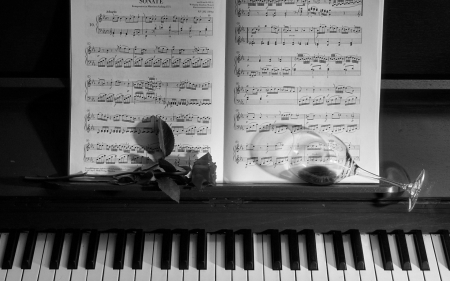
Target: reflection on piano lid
183,254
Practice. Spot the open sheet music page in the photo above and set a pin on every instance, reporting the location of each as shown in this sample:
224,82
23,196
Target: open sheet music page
313,63
134,59
229,77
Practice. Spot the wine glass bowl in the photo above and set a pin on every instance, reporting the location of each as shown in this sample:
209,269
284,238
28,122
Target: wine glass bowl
321,158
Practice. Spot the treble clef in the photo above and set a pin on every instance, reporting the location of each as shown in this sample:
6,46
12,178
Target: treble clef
99,18
88,83
89,50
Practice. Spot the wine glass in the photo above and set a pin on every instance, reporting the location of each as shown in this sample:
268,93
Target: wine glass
323,159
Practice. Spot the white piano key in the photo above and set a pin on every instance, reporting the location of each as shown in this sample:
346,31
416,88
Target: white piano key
444,270
175,274
415,274
127,273
333,273
158,274
147,259
192,273
63,273
304,273
239,274
398,274
15,273
221,273
322,273
97,273
377,260
33,273
3,241
46,273
269,273
369,273
210,272
351,273
286,273
109,273
433,273
257,273
80,273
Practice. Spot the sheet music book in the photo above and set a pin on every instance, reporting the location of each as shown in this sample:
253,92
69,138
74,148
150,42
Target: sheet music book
227,76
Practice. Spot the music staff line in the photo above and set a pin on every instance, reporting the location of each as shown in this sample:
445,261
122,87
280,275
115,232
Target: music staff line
308,8
286,116
282,35
142,149
122,49
255,127
150,98
281,147
300,65
335,122
150,84
275,161
161,25
126,154
179,118
297,99
248,90
176,129
162,57
300,12
333,3
145,91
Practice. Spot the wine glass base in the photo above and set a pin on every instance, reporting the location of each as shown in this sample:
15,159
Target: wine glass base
414,189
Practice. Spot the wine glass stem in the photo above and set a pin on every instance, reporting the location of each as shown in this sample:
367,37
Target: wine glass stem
364,173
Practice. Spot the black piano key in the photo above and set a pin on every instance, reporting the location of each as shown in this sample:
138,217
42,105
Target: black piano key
201,249
10,250
119,253
385,250
249,255
230,255
402,248
294,256
166,254
420,248
74,253
91,256
138,249
28,253
184,249
338,245
445,238
57,249
275,244
311,250
357,249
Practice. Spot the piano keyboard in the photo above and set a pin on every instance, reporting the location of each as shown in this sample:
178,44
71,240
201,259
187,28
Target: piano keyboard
184,255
